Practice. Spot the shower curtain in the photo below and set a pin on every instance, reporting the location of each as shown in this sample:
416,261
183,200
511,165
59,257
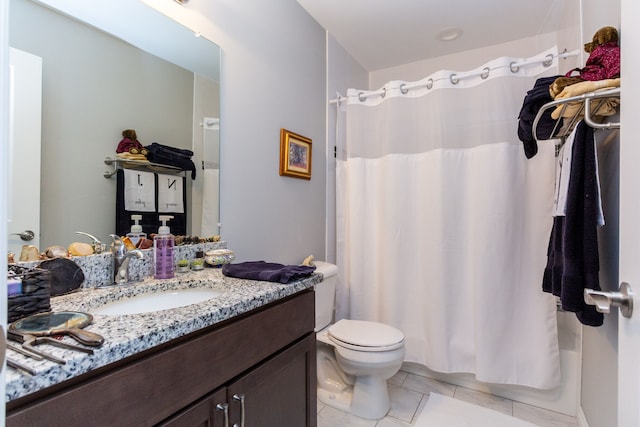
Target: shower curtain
443,224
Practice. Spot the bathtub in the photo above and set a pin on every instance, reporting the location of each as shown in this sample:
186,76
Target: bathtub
563,399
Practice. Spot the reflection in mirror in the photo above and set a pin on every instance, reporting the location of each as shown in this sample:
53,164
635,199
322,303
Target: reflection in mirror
95,85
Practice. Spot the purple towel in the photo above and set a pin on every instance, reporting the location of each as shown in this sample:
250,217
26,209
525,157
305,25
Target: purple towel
268,271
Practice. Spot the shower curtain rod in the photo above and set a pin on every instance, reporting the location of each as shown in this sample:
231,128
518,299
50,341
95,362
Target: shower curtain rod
456,77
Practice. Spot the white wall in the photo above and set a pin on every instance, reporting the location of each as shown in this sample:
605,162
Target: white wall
273,76
599,394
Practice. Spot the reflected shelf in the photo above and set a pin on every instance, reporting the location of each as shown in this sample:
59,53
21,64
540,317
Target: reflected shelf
117,163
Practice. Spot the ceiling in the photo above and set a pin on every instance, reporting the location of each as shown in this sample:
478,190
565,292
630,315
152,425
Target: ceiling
384,33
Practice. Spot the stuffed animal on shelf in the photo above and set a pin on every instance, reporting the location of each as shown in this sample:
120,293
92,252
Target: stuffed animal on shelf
603,36
130,143
603,62
604,56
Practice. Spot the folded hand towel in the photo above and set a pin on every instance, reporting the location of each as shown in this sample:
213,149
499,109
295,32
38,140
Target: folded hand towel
268,271
139,191
609,108
170,194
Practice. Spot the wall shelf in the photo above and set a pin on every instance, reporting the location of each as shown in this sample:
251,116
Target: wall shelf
117,163
585,109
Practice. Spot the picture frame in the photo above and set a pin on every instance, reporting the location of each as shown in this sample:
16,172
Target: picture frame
295,155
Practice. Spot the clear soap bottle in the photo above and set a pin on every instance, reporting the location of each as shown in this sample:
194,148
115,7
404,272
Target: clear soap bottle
136,230
163,244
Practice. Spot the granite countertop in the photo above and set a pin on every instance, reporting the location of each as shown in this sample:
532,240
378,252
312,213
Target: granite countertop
126,335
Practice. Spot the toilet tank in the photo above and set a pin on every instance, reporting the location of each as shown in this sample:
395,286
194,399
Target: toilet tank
325,293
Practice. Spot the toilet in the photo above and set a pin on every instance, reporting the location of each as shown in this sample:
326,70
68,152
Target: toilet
355,357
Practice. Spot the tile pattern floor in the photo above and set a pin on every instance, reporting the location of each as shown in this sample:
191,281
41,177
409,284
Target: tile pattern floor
409,394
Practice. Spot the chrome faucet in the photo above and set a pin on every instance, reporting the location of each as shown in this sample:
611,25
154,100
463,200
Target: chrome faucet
98,246
121,260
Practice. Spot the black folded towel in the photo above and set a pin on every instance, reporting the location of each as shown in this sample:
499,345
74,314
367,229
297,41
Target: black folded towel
268,271
533,101
178,157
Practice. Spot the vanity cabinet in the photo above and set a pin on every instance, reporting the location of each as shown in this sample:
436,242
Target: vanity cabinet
273,394
266,355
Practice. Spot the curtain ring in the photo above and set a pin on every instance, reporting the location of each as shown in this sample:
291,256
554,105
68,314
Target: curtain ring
453,79
429,84
549,61
485,73
403,89
361,97
513,68
384,92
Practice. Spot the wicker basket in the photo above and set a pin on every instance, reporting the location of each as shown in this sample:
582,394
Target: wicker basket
35,296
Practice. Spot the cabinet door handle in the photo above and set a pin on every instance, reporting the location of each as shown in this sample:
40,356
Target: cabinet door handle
224,407
240,397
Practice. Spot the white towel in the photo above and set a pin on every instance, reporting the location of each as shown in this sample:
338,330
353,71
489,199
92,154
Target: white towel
563,173
139,191
170,193
210,195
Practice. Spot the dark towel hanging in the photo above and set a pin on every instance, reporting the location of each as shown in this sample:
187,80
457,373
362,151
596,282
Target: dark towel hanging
572,257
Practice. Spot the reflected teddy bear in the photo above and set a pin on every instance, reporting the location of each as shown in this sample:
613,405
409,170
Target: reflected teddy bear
130,143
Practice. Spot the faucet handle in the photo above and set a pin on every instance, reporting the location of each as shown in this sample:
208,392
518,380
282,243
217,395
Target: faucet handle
118,247
98,246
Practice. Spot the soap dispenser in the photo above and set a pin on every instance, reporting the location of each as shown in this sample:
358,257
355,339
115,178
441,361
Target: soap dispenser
163,244
136,230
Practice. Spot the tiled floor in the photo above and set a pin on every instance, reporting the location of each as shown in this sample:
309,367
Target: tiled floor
409,393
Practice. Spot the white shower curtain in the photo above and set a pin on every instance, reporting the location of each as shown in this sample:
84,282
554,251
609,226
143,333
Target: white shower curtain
443,224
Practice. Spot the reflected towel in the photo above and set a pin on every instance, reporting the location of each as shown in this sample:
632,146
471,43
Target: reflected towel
170,194
210,196
139,191
268,271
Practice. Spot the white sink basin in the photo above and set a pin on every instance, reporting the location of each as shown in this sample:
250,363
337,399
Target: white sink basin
157,301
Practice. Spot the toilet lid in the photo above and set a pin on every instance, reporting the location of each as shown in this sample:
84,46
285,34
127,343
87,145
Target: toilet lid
368,336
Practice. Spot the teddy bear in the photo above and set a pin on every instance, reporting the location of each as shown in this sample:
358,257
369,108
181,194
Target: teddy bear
604,56
603,62
130,143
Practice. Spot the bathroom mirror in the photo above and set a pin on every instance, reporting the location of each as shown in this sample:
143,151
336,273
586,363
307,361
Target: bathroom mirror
160,80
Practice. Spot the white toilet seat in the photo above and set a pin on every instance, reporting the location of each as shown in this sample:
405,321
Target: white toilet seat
361,335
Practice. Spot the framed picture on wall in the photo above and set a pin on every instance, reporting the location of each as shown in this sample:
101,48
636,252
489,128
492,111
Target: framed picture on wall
295,155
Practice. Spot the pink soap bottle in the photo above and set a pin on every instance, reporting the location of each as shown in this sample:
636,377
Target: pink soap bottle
163,244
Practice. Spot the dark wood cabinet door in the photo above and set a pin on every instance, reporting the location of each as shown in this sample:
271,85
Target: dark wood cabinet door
204,413
280,392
